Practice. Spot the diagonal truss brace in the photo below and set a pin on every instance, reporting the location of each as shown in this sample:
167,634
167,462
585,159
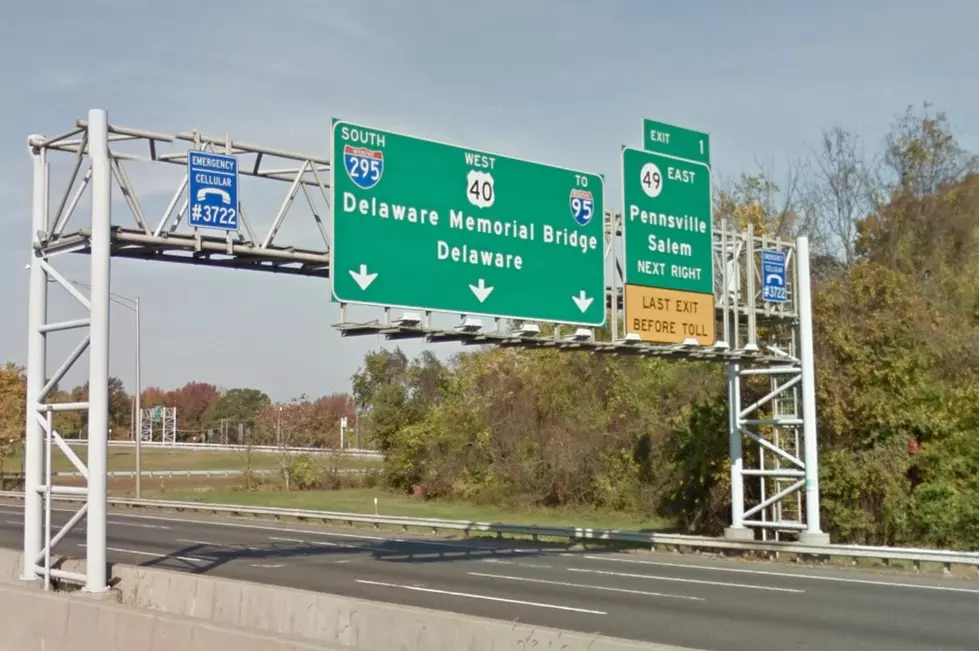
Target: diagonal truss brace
43,414
170,238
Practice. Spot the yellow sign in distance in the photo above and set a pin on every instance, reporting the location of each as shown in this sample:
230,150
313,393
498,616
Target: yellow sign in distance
666,316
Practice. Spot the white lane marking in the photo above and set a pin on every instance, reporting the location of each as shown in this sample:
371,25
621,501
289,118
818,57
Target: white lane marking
586,586
479,548
538,566
137,524
787,575
439,543
112,522
255,527
323,543
679,580
336,534
236,525
139,553
202,542
480,596
268,567
205,543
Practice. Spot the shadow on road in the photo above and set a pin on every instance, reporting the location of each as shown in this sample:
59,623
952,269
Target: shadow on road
201,558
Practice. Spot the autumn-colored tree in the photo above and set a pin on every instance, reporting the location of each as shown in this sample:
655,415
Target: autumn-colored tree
291,426
333,407
195,401
13,401
74,424
155,397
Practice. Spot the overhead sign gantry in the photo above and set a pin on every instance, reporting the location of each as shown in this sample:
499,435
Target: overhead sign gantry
464,232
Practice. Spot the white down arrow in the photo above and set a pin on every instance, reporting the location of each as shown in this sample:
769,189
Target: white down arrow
481,291
582,301
363,278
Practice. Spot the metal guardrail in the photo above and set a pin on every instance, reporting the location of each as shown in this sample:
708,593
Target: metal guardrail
361,453
203,473
914,555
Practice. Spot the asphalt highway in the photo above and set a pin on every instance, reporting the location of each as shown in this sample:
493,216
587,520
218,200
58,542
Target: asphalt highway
714,605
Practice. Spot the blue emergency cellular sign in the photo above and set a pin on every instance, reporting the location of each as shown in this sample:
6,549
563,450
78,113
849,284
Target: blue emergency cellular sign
773,289
213,190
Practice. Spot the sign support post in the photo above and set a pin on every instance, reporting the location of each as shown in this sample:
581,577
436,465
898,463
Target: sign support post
813,533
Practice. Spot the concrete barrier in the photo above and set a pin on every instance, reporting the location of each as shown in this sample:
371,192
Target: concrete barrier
320,618
33,620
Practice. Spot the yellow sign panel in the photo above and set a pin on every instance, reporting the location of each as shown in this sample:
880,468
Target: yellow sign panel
666,316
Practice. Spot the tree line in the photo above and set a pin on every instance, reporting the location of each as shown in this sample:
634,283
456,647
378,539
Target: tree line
896,324
205,413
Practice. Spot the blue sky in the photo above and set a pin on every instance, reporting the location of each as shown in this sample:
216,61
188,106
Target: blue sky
560,81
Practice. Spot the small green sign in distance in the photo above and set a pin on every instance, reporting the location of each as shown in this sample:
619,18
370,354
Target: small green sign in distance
667,222
422,225
676,141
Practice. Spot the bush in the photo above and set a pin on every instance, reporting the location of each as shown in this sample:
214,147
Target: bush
301,472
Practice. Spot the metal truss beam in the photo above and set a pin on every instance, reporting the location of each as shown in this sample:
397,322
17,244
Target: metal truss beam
168,238
512,338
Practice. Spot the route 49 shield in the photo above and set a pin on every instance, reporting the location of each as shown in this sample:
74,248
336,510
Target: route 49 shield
364,166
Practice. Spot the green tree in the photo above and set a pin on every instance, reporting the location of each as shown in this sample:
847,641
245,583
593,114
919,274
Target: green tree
393,393
240,405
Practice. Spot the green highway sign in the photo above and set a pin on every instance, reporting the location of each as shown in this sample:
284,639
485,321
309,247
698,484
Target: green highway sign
675,141
667,238
419,224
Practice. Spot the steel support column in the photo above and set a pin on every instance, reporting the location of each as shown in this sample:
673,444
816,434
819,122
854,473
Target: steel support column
813,533
98,378
737,530
36,368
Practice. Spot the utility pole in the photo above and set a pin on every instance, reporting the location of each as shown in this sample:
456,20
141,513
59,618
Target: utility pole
131,303
278,427
139,412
